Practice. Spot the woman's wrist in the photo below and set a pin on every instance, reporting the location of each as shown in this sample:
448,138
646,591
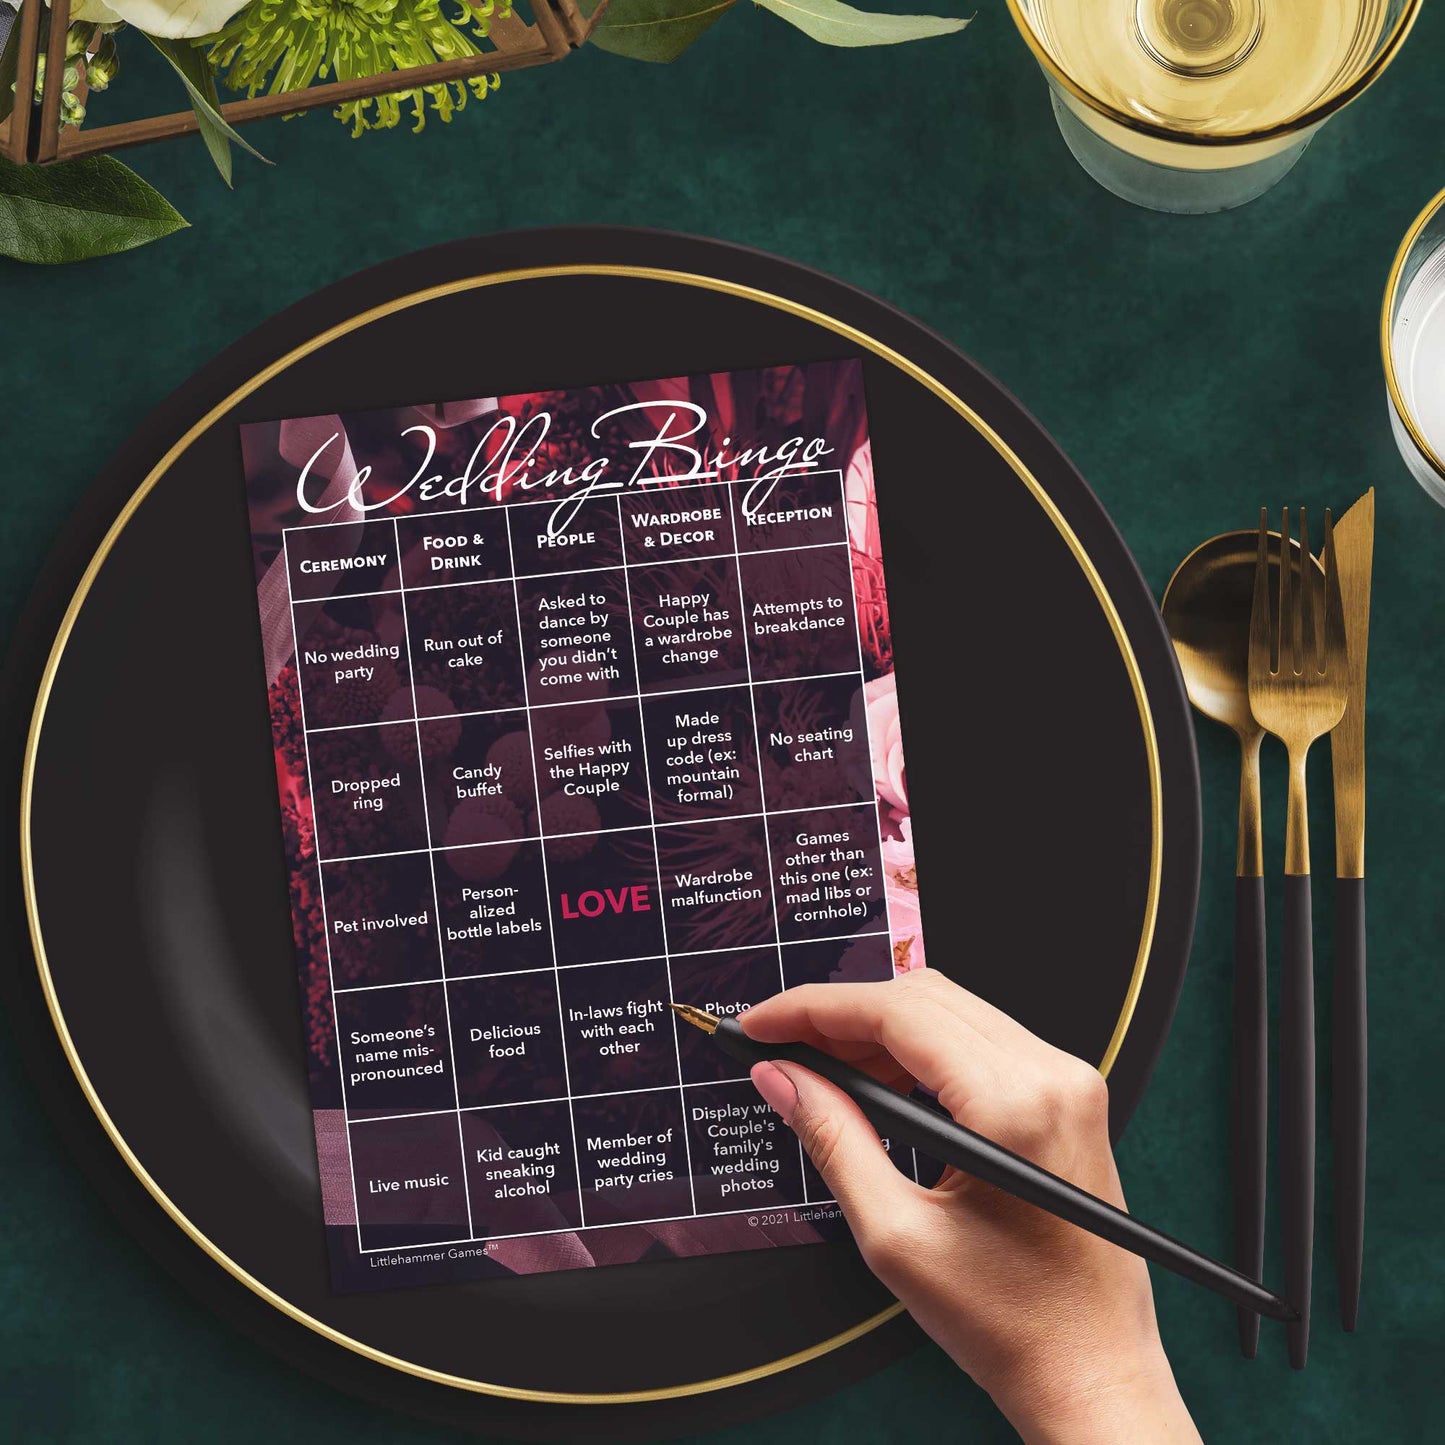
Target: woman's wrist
1129,1398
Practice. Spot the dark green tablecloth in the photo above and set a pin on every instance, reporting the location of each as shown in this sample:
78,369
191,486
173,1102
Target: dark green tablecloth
1192,368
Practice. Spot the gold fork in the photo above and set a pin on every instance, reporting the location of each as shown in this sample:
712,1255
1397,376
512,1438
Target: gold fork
1297,691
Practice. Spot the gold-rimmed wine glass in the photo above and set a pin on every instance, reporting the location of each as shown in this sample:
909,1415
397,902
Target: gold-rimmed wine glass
1412,341
1201,105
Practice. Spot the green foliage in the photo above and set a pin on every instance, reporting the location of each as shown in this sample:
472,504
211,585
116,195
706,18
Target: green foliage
96,206
84,208
833,23
660,30
195,72
277,46
656,30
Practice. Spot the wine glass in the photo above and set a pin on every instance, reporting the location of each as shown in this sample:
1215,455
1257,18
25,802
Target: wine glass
1412,339
1200,105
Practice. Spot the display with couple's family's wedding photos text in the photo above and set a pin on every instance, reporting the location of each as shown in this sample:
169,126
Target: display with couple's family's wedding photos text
582,702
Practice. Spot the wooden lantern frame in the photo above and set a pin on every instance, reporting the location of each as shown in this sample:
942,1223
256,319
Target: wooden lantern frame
33,134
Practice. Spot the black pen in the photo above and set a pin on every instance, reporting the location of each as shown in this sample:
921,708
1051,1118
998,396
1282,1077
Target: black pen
908,1121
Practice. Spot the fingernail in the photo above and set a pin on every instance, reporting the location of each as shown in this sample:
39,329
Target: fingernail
776,1088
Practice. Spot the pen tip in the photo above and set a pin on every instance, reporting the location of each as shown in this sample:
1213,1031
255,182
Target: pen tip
698,1018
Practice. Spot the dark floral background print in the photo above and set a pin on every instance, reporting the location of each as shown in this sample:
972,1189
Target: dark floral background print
409,642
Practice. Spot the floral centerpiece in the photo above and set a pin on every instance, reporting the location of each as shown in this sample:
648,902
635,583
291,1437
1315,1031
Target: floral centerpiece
94,205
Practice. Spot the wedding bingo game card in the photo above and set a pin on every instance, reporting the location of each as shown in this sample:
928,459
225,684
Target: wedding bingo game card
582,701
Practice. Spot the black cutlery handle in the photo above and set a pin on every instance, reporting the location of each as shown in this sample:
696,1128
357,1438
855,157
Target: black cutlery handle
1297,1109
1249,1093
1350,1092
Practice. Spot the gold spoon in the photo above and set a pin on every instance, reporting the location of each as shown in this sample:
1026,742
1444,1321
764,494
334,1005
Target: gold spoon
1206,609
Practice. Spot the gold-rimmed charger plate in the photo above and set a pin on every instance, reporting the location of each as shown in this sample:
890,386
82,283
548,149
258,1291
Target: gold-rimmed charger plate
1051,805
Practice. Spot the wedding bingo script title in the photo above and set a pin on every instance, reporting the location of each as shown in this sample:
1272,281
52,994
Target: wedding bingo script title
505,457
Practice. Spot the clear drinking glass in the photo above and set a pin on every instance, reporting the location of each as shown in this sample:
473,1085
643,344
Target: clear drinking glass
1200,105
1412,338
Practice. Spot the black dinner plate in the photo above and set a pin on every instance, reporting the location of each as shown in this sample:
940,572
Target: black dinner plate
1051,772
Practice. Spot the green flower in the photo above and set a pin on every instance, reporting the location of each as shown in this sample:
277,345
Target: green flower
283,45
72,110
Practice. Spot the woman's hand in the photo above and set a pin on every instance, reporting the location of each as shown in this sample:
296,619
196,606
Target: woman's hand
1056,1325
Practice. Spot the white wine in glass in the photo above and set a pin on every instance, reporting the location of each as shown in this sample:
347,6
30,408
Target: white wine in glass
1199,105
1412,337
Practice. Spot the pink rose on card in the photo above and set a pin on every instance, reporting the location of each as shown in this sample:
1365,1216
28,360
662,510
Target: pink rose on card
898,855
881,701
862,502
900,879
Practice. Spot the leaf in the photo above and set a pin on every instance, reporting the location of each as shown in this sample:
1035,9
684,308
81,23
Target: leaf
834,23
656,30
195,72
89,207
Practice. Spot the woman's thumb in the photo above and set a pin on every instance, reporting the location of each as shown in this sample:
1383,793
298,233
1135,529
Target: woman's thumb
843,1145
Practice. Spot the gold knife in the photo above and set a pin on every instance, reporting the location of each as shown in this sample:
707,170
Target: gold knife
1354,553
